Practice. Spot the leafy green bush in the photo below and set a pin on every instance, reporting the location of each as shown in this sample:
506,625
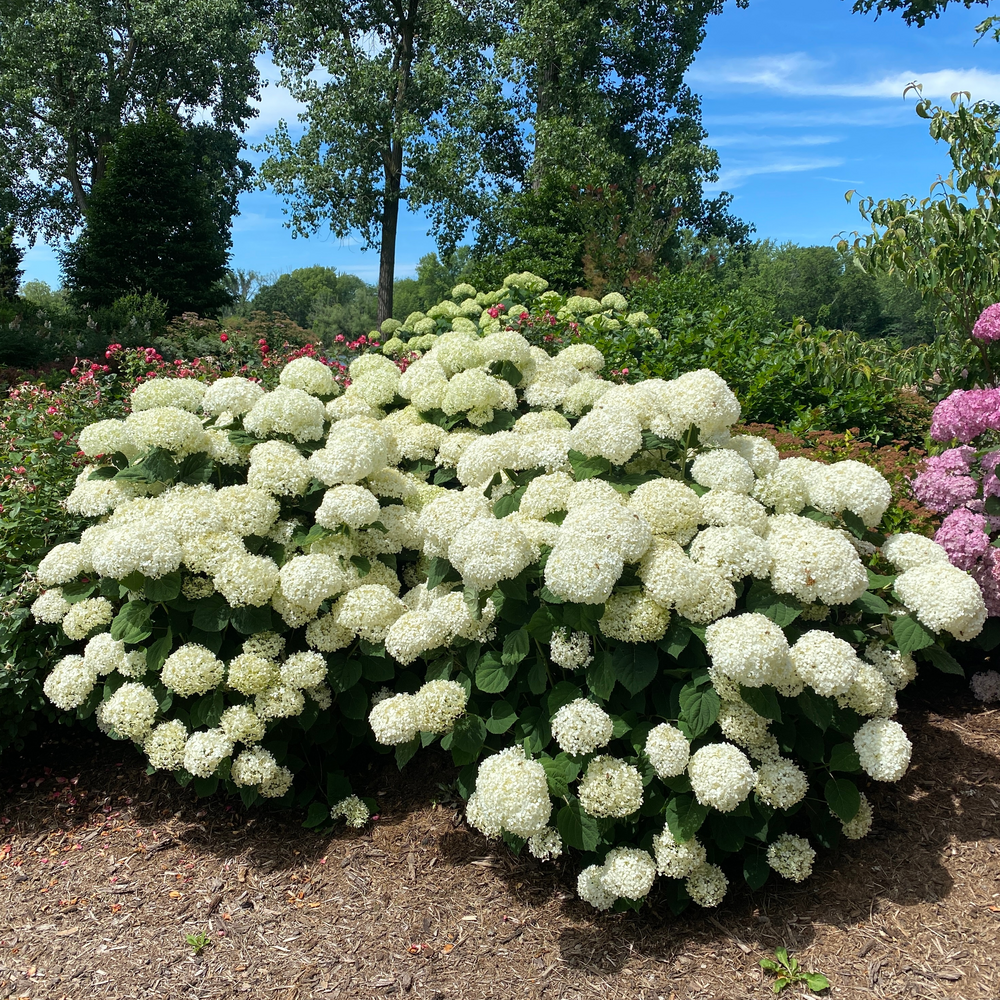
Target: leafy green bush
639,636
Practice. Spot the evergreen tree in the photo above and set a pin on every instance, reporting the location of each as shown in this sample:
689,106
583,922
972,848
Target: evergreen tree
152,224
11,256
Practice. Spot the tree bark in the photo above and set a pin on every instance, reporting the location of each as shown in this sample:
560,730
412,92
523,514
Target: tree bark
390,219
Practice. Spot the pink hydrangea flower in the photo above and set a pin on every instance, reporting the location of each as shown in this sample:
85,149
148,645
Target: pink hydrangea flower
963,536
965,414
987,327
987,574
991,483
945,482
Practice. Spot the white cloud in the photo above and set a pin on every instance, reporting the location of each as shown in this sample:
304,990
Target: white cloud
798,74
766,141
733,176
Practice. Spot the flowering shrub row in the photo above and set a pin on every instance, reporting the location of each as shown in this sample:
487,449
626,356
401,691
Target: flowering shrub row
640,636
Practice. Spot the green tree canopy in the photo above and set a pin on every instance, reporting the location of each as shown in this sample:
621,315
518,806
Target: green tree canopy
613,136
151,224
408,109
916,12
73,72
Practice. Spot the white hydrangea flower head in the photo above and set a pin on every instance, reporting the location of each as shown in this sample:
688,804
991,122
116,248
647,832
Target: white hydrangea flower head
610,787
478,394
897,668
722,469
182,393
355,448
628,872
280,701
711,595
827,664
668,750
703,400
481,459
883,749
944,598
266,644
861,825
61,564
546,494
582,573
165,745
50,607
725,508
513,792
593,491
487,550
93,499
106,437
87,616
721,776
570,650
633,616
287,411
129,712
440,520
734,552
145,546
368,611
394,720
907,551
612,432
749,648
590,888
762,456
232,395
814,562
192,669
781,783
414,633
479,820
791,857
677,859
743,726
69,683
167,427
252,673
245,510
307,581
581,395
242,724
278,467
850,485
253,767
540,420
870,694
220,449
784,491
205,751
580,727
546,845
352,809
608,524
352,505
103,654
309,375
303,670
707,885
276,782
438,705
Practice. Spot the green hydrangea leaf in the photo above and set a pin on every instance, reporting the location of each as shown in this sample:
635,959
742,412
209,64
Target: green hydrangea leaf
577,828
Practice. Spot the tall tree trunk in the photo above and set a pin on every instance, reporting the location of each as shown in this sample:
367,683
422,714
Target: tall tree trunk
390,218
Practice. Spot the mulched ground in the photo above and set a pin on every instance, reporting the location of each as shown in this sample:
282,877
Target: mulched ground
105,870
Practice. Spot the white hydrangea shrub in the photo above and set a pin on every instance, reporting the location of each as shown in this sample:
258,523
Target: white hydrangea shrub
620,618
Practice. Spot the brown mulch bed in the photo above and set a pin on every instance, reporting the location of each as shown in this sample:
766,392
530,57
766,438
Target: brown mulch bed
104,871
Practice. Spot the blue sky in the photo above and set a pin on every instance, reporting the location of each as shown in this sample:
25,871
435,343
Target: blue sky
802,99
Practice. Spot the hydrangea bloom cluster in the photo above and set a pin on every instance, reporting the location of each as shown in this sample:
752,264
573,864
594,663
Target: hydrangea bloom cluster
628,625
961,482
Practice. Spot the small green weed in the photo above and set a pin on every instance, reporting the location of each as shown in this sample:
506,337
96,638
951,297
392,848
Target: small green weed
198,941
788,972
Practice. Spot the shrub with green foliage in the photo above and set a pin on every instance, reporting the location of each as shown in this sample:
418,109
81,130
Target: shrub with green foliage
639,636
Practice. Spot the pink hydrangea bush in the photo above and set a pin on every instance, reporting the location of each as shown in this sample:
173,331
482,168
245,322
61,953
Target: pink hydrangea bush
961,482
